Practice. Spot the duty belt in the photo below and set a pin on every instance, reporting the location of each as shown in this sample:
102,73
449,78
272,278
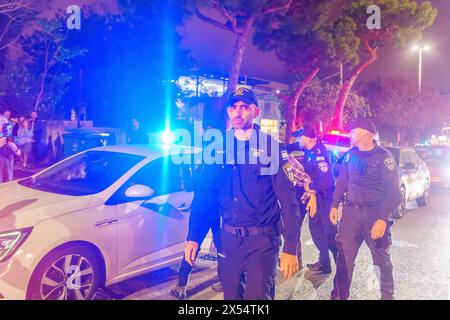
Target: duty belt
249,231
355,205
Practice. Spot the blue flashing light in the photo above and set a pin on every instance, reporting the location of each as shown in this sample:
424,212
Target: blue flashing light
167,138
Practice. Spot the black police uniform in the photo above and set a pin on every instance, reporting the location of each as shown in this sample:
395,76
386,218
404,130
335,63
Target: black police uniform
249,203
370,182
317,165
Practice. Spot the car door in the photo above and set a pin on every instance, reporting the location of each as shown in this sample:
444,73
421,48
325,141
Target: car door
152,232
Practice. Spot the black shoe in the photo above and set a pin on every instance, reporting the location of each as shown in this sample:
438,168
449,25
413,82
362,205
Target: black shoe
318,267
179,293
217,287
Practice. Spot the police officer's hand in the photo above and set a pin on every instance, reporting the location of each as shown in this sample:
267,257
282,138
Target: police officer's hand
335,215
378,229
288,264
311,206
190,252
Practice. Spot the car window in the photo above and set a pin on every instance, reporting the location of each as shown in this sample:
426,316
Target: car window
161,175
84,174
434,153
336,140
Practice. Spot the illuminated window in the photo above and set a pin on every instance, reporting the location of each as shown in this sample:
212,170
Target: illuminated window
270,126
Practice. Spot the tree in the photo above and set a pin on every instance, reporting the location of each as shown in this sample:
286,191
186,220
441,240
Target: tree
13,16
405,113
132,60
402,21
318,101
50,59
237,16
303,39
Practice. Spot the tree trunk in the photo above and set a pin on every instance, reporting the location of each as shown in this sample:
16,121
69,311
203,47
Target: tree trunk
43,78
344,92
293,103
238,54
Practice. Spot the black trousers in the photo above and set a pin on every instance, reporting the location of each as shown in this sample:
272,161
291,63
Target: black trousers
249,266
323,232
354,229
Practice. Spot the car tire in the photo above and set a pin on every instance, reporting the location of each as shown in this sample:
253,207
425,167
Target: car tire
425,198
68,273
401,210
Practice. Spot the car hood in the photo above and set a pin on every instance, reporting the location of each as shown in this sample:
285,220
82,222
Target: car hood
22,207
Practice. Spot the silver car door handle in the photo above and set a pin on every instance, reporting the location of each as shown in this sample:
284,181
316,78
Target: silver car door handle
106,222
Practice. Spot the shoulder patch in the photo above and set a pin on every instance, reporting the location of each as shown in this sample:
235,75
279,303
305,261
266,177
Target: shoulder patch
323,166
390,163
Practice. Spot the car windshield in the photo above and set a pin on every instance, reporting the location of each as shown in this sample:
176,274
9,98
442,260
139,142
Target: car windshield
336,140
85,174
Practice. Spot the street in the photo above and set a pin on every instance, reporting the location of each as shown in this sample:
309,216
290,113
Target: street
420,251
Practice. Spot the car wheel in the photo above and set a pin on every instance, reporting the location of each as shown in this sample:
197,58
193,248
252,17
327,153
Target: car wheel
71,273
425,199
401,210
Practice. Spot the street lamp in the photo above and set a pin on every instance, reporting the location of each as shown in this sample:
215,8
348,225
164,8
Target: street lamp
421,50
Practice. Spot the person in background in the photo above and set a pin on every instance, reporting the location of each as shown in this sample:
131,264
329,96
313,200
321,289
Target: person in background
38,130
135,134
8,150
25,136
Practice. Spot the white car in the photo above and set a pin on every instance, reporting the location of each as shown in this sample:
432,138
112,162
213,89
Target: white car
94,219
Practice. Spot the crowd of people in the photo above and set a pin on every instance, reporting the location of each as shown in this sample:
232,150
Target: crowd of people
20,138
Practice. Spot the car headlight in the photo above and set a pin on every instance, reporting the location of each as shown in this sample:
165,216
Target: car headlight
11,241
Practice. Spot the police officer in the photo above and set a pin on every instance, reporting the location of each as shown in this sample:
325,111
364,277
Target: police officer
370,179
249,200
312,156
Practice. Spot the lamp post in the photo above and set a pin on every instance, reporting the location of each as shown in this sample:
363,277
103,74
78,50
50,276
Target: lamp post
421,50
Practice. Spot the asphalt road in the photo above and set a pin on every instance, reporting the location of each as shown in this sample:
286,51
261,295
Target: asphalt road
420,251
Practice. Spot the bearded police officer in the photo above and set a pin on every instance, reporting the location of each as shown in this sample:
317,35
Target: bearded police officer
313,158
255,208
370,180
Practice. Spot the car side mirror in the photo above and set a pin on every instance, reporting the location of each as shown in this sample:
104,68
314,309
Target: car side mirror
409,166
139,192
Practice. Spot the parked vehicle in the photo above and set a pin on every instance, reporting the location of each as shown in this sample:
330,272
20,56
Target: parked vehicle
437,158
94,219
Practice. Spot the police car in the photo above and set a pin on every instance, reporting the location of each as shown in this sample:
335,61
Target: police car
94,219
337,142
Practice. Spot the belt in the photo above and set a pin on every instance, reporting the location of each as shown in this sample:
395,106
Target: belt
355,205
249,231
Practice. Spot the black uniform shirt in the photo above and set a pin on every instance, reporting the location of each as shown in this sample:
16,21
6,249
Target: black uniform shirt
370,179
245,196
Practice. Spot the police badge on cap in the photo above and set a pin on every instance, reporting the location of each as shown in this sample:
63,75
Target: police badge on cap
244,95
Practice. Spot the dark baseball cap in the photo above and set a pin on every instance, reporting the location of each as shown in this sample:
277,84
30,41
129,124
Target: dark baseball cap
306,131
242,94
366,124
